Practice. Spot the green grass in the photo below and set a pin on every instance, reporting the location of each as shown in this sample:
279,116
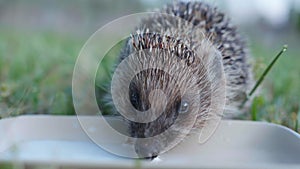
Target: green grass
278,99
36,72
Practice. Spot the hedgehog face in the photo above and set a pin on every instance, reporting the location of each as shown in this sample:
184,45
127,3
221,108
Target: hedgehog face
155,91
151,148
160,97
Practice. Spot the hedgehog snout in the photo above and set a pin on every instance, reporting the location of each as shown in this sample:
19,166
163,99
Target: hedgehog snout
147,149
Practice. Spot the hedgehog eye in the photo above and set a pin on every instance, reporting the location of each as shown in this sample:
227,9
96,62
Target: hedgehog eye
184,107
134,99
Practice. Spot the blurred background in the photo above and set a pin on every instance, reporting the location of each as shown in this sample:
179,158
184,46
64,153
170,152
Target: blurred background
40,40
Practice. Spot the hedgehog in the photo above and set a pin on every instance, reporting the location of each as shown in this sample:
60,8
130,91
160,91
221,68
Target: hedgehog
183,65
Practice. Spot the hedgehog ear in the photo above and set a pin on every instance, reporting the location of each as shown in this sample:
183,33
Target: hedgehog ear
212,59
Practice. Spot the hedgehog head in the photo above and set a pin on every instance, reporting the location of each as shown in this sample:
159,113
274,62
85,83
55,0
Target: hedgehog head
165,89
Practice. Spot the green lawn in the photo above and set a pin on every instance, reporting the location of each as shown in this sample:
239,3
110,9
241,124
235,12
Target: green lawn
278,100
36,72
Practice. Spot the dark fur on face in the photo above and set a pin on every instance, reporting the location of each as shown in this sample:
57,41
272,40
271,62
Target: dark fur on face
139,92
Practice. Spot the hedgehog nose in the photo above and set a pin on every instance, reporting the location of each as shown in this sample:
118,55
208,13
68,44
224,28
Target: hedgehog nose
146,150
